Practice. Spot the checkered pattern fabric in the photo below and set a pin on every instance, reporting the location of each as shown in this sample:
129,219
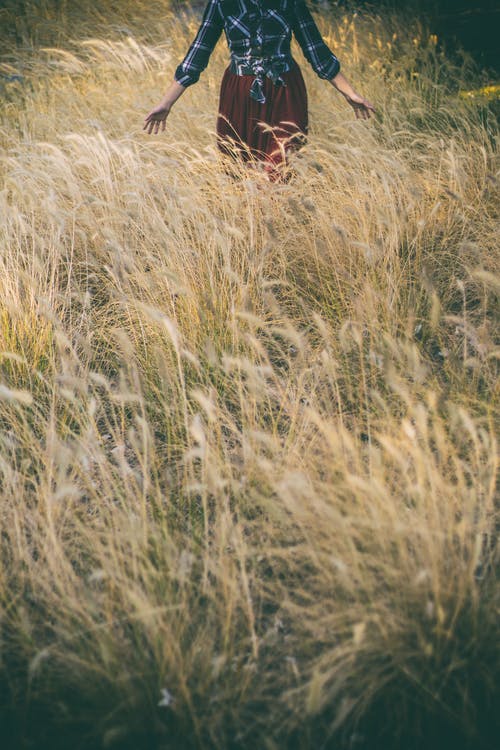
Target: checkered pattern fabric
257,29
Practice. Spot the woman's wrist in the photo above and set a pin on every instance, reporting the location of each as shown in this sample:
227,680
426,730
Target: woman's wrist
342,85
174,91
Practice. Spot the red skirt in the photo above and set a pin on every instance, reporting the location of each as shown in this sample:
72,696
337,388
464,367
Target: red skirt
264,132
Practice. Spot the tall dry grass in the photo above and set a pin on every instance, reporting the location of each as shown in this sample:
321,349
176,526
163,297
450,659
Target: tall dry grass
247,432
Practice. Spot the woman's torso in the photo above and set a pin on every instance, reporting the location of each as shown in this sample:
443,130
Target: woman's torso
258,28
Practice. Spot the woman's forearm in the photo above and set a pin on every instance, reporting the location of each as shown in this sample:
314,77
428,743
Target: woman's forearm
362,107
157,117
174,91
341,83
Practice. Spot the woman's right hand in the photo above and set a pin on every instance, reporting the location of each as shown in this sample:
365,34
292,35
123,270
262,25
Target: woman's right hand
157,117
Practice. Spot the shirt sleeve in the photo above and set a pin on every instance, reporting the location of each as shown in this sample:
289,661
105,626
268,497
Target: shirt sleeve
316,52
202,47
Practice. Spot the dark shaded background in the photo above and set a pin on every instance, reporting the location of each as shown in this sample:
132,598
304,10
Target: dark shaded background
473,26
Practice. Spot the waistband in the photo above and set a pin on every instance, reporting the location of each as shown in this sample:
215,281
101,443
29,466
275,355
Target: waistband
261,67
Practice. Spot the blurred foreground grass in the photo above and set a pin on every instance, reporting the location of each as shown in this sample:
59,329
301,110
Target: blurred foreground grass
247,432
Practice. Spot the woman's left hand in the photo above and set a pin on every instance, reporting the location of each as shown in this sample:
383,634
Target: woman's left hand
361,106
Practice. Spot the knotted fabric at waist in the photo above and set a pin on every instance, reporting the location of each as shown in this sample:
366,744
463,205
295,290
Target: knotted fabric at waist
261,67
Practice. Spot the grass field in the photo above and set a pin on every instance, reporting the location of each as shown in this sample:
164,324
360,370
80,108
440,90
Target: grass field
247,431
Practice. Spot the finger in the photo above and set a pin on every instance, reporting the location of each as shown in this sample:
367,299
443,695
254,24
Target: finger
163,125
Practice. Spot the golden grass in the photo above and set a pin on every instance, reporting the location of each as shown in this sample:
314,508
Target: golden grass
247,431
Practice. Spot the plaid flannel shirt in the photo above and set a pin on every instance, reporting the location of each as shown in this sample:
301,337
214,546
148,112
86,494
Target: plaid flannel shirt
257,28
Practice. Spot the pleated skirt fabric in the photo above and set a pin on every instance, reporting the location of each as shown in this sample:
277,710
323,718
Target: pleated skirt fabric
265,133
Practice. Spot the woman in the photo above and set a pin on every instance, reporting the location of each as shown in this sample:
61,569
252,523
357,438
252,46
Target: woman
263,100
